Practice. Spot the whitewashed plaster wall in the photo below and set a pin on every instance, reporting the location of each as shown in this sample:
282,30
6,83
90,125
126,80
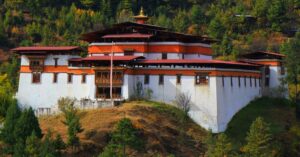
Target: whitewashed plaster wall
46,93
231,99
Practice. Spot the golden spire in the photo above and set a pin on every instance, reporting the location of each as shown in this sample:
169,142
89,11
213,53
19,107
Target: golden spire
141,18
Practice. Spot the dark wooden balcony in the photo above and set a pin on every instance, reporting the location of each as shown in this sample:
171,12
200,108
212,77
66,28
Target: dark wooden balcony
36,68
106,82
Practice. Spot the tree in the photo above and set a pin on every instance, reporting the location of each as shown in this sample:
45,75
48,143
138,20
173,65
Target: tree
183,101
276,14
6,133
258,139
88,3
72,120
32,145
260,11
219,146
48,147
181,22
26,124
125,135
216,28
6,93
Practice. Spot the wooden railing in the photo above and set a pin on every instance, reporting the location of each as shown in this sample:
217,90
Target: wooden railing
102,81
103,96
36,68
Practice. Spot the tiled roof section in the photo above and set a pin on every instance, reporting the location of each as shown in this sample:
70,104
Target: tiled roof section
271,53
46,48
132,35
193,61
107,58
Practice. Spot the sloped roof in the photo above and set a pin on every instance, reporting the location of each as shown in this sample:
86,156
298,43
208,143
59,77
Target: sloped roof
46,48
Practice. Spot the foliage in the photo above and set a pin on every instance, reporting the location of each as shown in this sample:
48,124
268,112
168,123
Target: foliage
183,101
258,139
6,133
292,61
125,135
218,146
72,120
6,95
141,93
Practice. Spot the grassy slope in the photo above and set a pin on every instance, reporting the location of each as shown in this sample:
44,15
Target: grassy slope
160,125
279,113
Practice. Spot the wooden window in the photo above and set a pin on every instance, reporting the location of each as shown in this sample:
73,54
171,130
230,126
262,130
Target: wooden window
55,62
250,79
146,79
164,56
36,77
259,82
70,78
83,79
245,81
231,81
54,77
201,79
128,53
267,81
34,63
178,78
161,80
282,69
239,81
223,81
267,70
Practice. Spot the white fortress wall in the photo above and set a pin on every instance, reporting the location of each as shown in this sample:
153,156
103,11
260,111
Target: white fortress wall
203,97
233,98
197,56
46,93
275,76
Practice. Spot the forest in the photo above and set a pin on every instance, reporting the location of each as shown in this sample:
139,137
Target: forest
241,26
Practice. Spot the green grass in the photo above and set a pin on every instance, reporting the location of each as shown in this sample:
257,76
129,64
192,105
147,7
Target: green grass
279,113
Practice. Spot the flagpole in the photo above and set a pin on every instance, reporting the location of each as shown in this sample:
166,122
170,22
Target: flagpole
111,74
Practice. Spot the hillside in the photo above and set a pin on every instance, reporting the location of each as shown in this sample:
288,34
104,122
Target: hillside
159,124
281,116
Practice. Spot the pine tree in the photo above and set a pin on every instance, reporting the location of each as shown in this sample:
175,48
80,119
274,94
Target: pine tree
181,22
72,120
7,136
48,147
276,14
258,139
219,146
33,143
26,124
216,28
19,149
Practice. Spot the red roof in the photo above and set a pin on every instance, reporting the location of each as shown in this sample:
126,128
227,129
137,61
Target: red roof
271,53
132,35
46,48
193,61
107,58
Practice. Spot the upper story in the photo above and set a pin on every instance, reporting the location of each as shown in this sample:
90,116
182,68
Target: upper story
152,42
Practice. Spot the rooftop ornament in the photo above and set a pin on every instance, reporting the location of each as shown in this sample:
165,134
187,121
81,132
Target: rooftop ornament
141,18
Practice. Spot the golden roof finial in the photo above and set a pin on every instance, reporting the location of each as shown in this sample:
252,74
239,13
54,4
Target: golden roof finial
142,12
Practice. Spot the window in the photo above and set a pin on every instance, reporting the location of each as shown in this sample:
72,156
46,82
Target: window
55,62
267,81
282,69
231,81
245,81
128,53
259,82
239,81
34,63
36,77
250,79
223,81
54,77
201,79
178,78
164,56
146,79
83,79
70,77
161,80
